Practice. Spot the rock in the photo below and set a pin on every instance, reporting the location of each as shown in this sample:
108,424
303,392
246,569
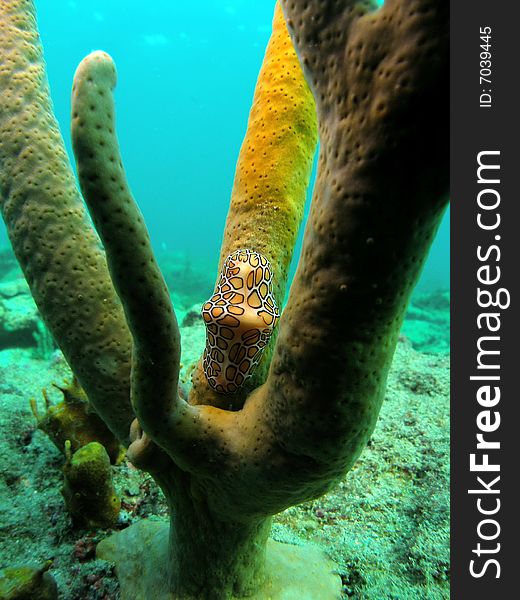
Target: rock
19,319
140,551
21,583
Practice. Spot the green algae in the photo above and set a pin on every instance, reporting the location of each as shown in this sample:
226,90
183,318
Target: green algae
28,583
88,489
74,420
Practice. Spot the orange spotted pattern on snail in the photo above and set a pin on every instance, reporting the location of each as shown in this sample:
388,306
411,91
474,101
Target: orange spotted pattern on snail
240,318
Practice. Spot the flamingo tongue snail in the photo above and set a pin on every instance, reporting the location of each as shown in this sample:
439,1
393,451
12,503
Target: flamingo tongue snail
240,318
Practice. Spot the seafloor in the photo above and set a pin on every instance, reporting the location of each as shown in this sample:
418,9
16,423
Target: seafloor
386,524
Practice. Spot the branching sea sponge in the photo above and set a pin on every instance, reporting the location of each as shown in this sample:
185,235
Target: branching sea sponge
56,247
227,462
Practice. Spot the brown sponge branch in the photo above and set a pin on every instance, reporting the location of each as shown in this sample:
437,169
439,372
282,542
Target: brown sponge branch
380,82
53,240
189,434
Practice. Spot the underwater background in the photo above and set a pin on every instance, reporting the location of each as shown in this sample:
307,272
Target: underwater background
186,77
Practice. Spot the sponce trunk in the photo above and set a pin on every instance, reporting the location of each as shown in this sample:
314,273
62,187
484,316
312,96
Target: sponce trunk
211,559
200,556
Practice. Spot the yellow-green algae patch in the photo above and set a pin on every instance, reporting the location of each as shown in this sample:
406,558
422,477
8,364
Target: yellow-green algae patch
88,489
75,420
24,583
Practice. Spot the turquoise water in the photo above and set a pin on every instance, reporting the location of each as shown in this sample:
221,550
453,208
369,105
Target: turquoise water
186,76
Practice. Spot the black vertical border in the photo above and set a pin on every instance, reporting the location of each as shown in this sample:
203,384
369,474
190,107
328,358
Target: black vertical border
475,129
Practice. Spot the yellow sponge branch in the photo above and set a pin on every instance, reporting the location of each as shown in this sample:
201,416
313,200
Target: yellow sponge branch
271,180
274,165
